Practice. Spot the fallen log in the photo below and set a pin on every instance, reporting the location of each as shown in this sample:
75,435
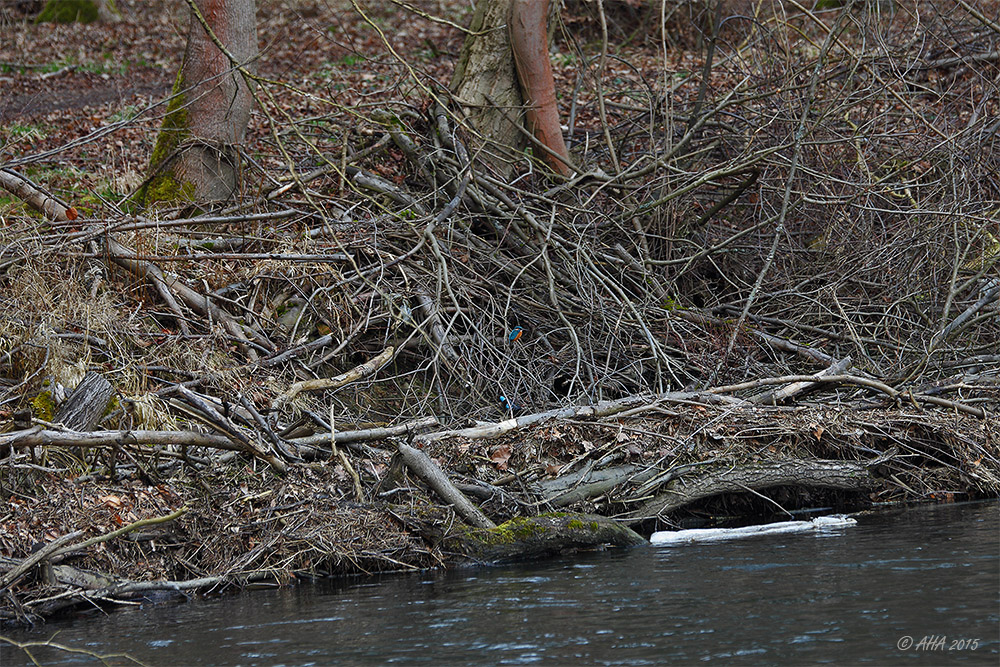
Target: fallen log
427,470
39,436
538,536
589,483
754,477
36,197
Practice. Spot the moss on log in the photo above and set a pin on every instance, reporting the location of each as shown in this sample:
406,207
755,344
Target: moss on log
525,538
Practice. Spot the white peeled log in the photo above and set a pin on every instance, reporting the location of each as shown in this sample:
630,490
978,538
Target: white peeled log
680,537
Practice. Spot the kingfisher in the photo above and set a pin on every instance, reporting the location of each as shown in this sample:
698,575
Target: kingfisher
514,334
510,405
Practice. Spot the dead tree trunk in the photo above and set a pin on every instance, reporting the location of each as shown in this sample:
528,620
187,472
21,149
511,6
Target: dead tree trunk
197,153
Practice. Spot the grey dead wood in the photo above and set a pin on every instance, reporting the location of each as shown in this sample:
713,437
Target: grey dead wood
819,473
87,404
434,477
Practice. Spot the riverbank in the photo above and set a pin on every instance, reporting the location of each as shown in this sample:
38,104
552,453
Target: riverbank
770,285
846,595
178,526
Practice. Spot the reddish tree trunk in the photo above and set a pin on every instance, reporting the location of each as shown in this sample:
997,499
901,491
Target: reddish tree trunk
197,156
529,42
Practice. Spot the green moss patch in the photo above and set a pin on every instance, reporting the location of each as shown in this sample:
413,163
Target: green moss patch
163,185
68,11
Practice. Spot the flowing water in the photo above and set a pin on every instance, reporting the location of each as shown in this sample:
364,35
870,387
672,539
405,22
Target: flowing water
916,586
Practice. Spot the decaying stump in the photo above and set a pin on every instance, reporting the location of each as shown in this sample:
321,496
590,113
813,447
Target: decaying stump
87,404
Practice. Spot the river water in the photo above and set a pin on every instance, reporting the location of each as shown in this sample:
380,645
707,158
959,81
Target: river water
913,586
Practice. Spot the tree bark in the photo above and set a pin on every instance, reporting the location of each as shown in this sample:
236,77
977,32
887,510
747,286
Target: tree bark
79,11
530,46
818,473
486,84
196,156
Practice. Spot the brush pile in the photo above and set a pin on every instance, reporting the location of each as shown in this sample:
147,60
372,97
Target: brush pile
773,283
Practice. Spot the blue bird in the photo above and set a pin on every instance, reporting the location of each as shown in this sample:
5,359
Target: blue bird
514,334
510,406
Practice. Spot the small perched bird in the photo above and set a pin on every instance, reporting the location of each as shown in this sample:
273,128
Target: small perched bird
510,405
514,334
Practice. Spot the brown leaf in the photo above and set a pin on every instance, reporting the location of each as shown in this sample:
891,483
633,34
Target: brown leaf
111,501
500,456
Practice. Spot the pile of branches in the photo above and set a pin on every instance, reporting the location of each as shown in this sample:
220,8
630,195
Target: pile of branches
799,218
775,218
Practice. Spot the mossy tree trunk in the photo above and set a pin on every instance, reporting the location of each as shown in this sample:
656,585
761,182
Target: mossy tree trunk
486,84
196,157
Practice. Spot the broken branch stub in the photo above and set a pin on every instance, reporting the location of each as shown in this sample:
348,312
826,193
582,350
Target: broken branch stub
87,404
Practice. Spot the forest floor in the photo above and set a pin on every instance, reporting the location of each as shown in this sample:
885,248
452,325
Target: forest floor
679,305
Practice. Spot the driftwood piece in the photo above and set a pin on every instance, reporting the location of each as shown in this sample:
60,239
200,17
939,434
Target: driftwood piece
366,435
600,409
361,371
87,404
796,388
76,577
589,483
538,536
754,477
427,470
